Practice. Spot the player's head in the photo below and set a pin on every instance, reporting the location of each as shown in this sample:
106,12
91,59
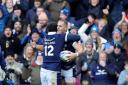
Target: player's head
52,27
62,26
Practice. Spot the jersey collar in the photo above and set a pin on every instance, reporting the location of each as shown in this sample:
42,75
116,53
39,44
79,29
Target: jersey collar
51,33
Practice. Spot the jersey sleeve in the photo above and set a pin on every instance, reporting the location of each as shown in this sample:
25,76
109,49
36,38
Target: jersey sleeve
71,37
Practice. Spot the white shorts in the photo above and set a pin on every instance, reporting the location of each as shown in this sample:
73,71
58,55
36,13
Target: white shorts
48,77
68,75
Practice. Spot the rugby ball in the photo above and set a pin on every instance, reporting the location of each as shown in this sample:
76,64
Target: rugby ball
64,55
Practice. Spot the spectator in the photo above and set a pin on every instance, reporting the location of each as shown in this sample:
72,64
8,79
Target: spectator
40,30
116,37
123,77
33,38
82,9
117,57
54,7
102,72
2,60
43,21
3,19
108,48
126,49
97,7
2,76
16,15
123,26
2,66
91,19
9,43
13,69
103,29
9,7
18,29
40,10
101,23
115,7
31,70
124,30
32,12
24,4
89,57
99,42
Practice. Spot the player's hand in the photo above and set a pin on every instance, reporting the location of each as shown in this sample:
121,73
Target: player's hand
71,56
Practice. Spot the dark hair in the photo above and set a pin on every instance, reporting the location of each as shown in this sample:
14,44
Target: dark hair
10,53
41,7
52,27
0,2
7,27
92,15
17,7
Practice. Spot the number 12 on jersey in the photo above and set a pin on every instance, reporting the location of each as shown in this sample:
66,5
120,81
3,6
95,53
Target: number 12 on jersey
49,50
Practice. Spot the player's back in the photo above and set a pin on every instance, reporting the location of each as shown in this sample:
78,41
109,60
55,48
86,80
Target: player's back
53,45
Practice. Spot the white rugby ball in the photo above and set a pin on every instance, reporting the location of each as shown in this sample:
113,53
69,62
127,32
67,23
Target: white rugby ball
64,55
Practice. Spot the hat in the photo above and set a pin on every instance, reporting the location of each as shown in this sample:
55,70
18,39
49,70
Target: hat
116,31
89,42
95,28
66,11
108,46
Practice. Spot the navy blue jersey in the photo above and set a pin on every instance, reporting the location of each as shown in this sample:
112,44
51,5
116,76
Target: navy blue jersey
104,74
53,45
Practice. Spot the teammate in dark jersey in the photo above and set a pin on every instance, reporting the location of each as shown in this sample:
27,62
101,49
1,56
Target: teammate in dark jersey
67,68
53,45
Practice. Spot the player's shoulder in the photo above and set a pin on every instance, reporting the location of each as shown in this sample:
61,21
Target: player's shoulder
60,35
57,36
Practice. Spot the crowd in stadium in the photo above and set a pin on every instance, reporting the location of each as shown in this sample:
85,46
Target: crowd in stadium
63,42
